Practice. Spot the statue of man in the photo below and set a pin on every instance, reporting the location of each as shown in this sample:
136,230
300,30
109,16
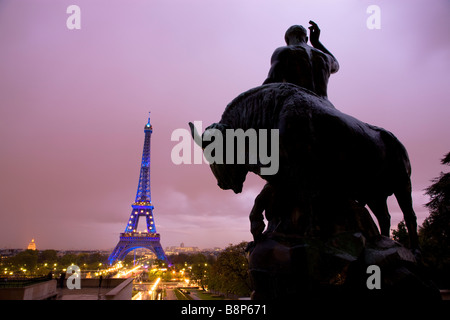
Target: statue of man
303,65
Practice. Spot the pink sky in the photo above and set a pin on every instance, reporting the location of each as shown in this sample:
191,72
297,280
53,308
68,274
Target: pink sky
73,104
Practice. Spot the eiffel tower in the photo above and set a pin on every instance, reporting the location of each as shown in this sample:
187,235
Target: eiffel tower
130,239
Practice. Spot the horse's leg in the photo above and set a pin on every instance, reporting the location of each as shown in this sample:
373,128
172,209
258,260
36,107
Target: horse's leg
379,208
404,200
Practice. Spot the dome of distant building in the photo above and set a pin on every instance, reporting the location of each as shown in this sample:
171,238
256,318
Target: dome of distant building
32,245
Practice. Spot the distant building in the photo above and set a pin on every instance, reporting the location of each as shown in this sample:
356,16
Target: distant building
32,245
5,253
181,249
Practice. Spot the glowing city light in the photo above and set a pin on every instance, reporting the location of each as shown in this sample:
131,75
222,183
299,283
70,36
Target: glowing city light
154,286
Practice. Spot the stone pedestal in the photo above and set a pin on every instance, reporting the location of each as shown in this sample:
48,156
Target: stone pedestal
335,265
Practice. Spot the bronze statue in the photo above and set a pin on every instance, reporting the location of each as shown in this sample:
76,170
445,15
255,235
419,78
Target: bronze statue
320,238
322,151
303,65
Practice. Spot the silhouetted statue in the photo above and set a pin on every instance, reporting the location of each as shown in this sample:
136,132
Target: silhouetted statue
303,65
324,153
320,239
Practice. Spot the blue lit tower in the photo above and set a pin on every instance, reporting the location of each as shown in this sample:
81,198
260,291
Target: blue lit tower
130,239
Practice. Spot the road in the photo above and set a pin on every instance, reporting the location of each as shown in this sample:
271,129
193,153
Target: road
170,295
145,288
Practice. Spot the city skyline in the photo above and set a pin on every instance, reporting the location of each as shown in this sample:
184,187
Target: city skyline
73,104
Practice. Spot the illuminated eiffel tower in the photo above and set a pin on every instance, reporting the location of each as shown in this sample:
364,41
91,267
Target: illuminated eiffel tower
130,239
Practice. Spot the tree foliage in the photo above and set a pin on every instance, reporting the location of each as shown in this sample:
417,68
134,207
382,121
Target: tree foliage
38,263
439,192
401,234
435,230
191,259
229,274
27,258
434,234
